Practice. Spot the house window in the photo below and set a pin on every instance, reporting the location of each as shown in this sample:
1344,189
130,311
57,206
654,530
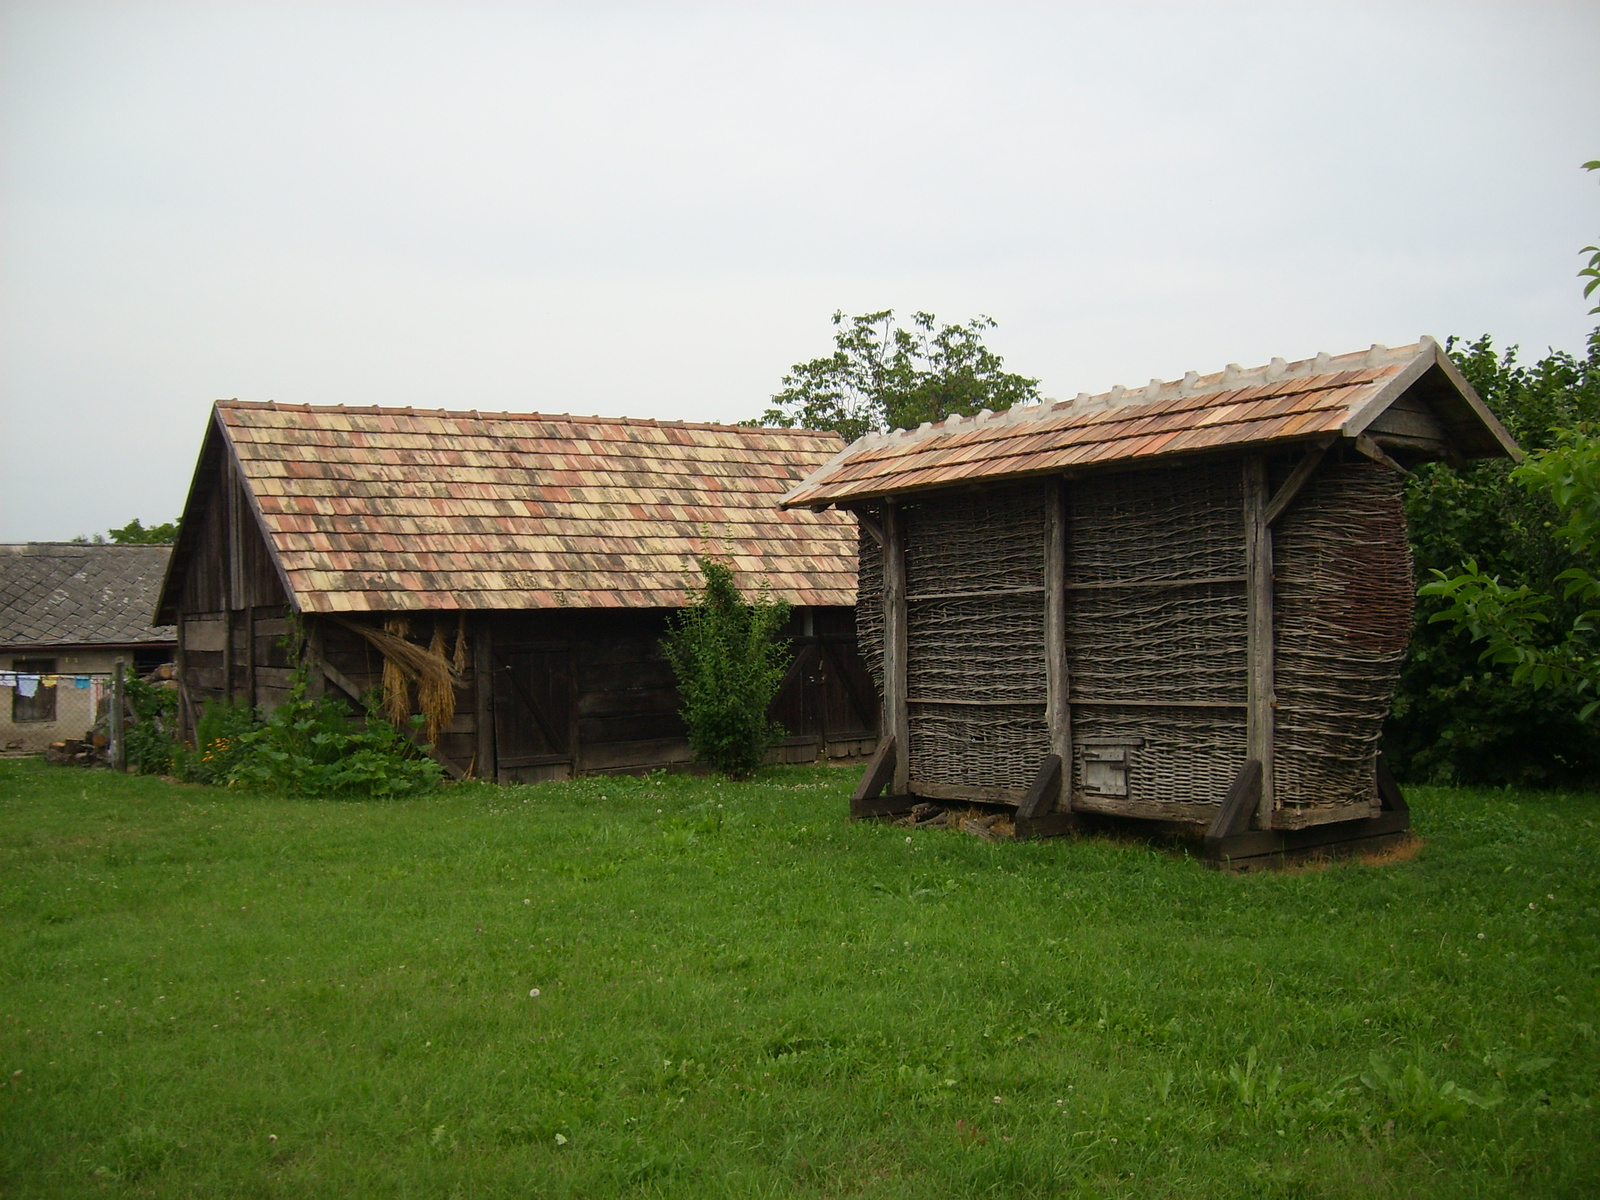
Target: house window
41,706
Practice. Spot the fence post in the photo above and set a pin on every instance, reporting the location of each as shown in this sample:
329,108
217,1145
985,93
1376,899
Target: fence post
119,743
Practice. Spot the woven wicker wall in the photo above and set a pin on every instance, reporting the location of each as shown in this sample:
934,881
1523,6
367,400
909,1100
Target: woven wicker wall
869,601
1156,628
1156,634
975,632
1342,612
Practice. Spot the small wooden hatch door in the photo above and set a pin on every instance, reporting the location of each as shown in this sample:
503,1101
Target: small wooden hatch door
535,718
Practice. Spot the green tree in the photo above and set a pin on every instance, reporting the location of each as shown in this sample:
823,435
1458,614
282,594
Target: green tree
1458,716
729,663
136,534
1592,271
1515,620
882,375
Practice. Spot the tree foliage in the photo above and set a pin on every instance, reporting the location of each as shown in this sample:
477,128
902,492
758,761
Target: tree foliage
729,663
1591,272
1457,715
135,533
882,375
1515,619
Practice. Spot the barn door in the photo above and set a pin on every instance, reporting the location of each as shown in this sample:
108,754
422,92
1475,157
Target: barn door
534,714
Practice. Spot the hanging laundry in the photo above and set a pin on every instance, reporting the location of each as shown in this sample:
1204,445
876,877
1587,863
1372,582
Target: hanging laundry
49,681
27,685
8,679
81,682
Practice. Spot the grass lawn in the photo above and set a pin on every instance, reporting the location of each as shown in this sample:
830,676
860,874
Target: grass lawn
741,994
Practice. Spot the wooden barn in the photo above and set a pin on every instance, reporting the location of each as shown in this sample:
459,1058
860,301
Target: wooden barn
539,555
1186,603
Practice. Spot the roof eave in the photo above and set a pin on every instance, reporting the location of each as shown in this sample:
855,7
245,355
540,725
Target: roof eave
1431,356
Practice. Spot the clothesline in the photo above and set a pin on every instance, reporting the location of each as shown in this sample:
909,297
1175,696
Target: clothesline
28,684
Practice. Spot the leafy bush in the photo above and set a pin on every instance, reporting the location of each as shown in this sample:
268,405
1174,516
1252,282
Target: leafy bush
219,743
729,663
312,747
151,736
1456,718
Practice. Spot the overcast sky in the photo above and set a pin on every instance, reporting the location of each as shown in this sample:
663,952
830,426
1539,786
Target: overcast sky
653,210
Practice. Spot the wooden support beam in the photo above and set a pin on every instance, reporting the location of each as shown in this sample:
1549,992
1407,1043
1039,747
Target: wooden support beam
118,731
484,765
896,716
1058,706
1258,592
1298,478
450,768
1037,815
1270,848
316,683
1372,450
180,668
250,656
874,530
1389,793
1244,794
227,655
868,799
336,677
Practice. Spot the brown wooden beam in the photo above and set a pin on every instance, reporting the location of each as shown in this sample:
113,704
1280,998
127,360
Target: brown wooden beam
868,799
896,716
1037,815
1298,478
1244,794
1258,592
1372,450
1389,794
1058,706
336,677
484,765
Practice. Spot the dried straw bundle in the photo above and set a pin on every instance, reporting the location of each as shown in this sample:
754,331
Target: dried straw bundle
460,660
404,662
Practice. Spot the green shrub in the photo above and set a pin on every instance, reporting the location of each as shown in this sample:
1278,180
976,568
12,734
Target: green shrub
311,746
729,663
151,736
1456,718
219,745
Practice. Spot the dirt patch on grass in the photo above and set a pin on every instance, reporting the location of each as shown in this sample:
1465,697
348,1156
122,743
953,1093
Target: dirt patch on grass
1401,852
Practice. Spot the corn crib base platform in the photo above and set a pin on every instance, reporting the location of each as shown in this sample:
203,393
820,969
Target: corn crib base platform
1228,844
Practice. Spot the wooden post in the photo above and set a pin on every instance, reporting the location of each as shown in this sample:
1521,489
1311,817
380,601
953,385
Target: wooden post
180,669
1058,709
316,681
1258,590
227,655
483,698
250,656
231,588
896,718
117,732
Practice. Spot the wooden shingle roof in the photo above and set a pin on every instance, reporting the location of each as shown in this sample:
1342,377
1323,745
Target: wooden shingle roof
1279,403
373,509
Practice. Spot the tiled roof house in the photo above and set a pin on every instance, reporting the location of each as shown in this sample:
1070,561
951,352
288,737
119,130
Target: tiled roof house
69,613
554,546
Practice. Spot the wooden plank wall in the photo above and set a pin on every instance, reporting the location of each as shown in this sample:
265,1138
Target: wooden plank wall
626,701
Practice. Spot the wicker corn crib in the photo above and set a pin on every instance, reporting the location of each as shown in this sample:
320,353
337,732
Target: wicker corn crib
1156,634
